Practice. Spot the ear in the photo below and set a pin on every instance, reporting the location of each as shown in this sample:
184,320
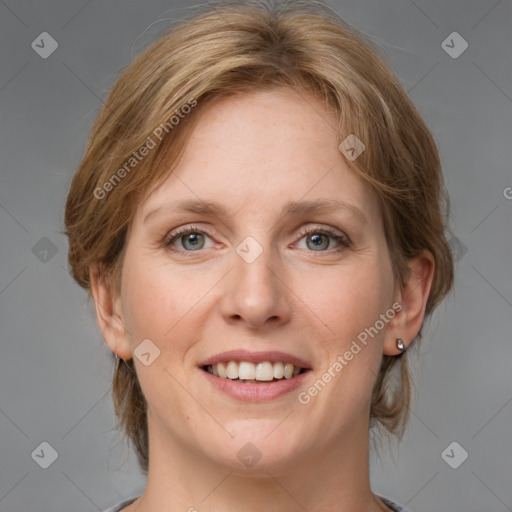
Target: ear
109,313
413,298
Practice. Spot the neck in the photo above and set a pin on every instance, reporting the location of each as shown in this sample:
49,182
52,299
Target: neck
332,477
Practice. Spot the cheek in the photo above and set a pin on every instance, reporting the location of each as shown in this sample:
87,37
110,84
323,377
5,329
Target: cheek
350,300
164,304
152,300
156,302
360,296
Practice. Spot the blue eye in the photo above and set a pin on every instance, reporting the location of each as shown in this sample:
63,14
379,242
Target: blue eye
318,239
192,239
196,241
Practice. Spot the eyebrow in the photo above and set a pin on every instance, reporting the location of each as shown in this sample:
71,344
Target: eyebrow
290,208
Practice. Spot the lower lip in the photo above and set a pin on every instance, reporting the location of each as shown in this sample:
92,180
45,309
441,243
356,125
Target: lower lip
263,392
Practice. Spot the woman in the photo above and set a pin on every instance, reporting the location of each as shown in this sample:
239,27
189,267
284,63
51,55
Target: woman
259,217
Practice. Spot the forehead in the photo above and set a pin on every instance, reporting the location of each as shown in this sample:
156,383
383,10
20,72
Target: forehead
257,150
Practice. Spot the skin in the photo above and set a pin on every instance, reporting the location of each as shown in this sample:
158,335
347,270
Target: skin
252,153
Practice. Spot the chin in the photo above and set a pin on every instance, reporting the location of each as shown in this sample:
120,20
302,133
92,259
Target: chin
260,449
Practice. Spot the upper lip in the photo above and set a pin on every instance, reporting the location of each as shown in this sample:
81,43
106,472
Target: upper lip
240,355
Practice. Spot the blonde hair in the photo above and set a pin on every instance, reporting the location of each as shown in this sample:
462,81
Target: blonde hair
234,47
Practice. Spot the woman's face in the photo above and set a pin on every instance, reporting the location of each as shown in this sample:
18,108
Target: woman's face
262,279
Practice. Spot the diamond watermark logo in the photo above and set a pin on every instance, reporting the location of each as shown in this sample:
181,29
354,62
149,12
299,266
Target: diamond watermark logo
458,248
44,250
44,45
352,147
249,455
249,249
146,352
454,45
45,455
454,455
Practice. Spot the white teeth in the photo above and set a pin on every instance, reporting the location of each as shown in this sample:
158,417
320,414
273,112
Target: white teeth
246,371
279,370
264,371
232,370
250,372
221,369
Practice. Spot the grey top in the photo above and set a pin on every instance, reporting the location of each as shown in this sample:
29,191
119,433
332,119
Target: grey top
119,506
125,503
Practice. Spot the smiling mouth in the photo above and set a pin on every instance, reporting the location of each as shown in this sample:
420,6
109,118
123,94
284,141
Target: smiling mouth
251,373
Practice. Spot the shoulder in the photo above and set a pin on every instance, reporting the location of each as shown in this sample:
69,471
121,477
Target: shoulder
119,506
393,506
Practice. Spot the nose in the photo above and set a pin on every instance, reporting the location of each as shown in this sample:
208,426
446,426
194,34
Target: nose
256,293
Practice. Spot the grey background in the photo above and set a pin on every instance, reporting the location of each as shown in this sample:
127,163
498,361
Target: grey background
55,371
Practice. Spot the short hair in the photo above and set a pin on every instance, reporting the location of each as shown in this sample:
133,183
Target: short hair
233,47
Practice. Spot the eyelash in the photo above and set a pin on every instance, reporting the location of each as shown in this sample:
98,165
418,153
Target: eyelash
343,240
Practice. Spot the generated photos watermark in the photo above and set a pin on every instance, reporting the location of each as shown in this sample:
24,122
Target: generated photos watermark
158,134
304,397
